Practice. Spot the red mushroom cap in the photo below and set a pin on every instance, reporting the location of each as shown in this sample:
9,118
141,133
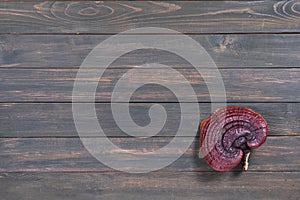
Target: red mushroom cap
229,134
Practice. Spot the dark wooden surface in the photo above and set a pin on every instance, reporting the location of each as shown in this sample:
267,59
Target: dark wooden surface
242,85
69,155
255,44
169,185
227,50
186,17
30,119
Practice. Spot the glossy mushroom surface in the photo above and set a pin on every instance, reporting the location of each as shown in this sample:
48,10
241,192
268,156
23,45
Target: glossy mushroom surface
227,136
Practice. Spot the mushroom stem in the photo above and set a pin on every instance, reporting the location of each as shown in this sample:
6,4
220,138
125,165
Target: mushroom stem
246,164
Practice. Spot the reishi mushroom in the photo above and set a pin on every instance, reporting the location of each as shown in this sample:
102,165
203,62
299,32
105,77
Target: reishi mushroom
227,136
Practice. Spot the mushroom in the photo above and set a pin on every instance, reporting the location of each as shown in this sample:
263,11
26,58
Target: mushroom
227,136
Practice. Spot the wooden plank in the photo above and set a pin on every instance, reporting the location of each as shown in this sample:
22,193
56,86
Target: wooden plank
94,186
69,155
227,51
56,119
113,17
242,85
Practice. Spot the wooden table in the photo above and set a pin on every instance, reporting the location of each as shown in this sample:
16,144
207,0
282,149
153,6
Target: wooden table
255,45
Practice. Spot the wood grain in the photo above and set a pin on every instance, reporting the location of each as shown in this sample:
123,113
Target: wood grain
242,85
113,17
94,186
255,44
56,119
227,51
69,155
